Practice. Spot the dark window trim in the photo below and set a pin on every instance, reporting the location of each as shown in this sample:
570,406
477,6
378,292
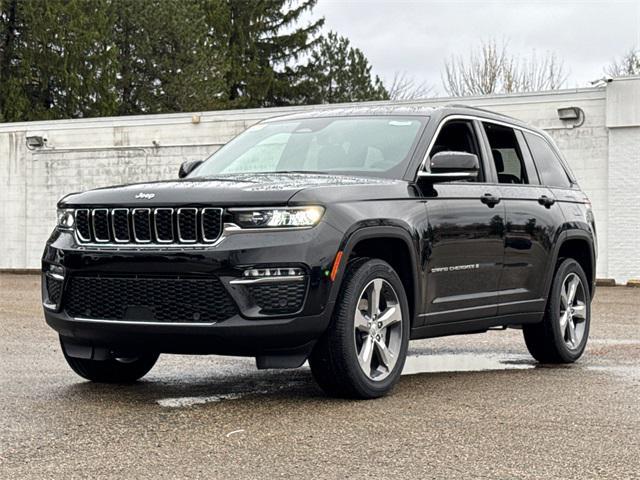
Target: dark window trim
529,164
523,166
479,144
572,181
459,116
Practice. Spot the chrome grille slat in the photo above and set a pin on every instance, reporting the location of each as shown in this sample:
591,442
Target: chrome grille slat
83,225
211,224
120,225
188,225
164,226
141,224
100,224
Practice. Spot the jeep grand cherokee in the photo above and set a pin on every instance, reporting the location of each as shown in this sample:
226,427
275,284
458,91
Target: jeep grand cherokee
333,236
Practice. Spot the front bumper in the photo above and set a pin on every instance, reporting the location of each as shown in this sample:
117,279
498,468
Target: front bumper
251,331
234,336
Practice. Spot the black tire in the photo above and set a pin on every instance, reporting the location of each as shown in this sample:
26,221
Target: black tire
334,361
546,341
112,370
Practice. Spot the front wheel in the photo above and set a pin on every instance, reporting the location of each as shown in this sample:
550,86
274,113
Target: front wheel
562,335
114,370
362,353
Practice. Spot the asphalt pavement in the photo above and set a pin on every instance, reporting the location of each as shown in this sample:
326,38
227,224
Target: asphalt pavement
476,406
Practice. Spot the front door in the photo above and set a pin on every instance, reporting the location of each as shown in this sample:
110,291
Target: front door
465,243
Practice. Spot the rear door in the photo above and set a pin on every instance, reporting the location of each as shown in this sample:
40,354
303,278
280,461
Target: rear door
532,217
465,240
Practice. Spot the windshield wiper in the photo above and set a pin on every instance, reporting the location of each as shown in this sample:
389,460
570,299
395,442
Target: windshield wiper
317,172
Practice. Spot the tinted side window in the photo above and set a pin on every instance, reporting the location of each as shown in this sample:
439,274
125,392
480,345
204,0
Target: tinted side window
506,153
548,164
457,136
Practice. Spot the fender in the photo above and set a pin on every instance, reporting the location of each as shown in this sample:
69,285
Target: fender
351,239
571,234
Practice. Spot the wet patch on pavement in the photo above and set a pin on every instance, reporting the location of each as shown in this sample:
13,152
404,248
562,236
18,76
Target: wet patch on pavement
474,406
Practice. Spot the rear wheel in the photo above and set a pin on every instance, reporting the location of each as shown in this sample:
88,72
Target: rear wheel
362,353
562,335
114,370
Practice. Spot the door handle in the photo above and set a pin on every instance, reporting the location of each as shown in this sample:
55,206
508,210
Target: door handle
490,199
546,201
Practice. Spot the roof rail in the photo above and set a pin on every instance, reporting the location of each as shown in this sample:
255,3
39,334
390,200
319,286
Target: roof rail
461,105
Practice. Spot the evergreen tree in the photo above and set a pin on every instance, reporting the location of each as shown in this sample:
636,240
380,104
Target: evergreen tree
81,58
165,60
262,47
56,61
341,73
9,17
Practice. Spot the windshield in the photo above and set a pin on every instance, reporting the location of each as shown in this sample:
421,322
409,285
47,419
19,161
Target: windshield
372,146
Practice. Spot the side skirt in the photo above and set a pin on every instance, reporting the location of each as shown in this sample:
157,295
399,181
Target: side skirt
474,326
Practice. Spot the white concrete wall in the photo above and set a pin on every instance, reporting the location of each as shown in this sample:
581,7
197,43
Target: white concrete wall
83,154
623,124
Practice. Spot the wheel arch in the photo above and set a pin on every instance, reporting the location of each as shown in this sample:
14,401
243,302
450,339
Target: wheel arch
375,242
578,245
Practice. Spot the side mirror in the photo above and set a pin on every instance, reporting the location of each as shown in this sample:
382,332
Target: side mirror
449,166
187,167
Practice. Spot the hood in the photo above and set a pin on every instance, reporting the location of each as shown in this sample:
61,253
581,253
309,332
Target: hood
222,190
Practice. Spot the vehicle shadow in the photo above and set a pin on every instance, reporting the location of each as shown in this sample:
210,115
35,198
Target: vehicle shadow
179,387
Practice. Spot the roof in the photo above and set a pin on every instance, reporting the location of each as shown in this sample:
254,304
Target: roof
400,110
359,110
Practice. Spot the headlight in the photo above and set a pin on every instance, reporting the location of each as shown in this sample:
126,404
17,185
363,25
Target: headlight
66,218
277,217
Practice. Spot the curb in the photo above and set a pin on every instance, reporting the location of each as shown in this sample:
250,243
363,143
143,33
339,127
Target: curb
20,271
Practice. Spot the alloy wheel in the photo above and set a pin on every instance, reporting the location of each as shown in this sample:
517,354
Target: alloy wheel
573,311
378,329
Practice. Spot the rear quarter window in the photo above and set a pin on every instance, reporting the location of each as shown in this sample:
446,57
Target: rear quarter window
550,169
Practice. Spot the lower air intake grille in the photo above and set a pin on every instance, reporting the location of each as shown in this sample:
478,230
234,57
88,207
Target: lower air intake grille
278,297
54,289
181,300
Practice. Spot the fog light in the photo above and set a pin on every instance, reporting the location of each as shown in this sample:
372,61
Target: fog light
56,271
252,276
273,272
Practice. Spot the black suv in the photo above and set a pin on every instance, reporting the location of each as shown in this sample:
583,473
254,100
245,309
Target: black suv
334,236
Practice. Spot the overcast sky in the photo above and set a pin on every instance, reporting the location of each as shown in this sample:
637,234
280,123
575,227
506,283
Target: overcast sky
417,36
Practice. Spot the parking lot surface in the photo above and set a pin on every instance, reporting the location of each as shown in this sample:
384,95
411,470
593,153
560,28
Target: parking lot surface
467,407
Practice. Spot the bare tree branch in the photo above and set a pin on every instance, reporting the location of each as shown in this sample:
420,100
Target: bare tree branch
629,64
404,87
491,69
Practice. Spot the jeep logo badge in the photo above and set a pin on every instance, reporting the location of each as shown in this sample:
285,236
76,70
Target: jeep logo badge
146,196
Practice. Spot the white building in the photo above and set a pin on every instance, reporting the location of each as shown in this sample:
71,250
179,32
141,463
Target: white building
604,152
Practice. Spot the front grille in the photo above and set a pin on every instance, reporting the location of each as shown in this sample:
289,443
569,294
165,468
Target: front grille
180,300
149,225
278,297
